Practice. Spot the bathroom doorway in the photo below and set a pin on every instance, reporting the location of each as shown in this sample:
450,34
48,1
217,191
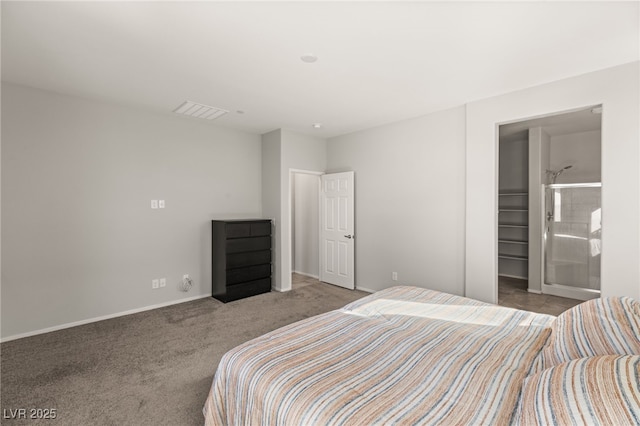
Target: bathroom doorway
549,211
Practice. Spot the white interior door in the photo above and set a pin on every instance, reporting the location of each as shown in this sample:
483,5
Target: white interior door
337,245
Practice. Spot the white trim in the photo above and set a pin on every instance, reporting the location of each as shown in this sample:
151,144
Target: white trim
368,290
306,172
469,232
575,185
543,234
530,290
570,292
307,275
102,318
289,241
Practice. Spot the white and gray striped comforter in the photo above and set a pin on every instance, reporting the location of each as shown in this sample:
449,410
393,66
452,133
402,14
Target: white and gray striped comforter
404,355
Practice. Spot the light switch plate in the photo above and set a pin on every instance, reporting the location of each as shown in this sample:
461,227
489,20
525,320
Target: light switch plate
161,204
154,204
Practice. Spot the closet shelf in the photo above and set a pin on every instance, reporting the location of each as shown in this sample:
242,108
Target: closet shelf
514,194
512,256
511,225
513,241
513,210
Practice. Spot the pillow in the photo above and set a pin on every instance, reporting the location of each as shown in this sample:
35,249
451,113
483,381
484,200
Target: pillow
601,390
606,326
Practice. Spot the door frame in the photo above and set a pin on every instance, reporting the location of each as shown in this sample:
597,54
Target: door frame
496,177
286,277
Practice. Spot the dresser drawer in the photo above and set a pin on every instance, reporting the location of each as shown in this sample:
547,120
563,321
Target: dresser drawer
239,245
260,228
247,289
238,230
238,260
250,273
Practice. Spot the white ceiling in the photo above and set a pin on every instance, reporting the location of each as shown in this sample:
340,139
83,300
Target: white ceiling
379,62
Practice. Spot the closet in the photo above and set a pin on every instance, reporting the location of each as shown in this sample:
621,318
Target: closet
513,206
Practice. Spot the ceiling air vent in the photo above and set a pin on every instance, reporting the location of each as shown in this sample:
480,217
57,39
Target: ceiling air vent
193,109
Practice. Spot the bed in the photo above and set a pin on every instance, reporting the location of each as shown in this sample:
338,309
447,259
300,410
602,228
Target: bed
408,355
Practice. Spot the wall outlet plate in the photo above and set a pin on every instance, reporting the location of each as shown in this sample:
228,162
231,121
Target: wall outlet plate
163,282
161,204
155,284
154,204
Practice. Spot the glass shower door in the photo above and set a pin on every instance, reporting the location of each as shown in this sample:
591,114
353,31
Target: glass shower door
572,241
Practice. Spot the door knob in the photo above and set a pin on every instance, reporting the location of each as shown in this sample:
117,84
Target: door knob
348,236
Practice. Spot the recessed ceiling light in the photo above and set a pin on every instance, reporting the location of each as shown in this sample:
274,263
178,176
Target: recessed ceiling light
309,58
317,125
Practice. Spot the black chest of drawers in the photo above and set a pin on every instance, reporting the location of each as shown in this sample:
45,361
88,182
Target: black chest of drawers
240,258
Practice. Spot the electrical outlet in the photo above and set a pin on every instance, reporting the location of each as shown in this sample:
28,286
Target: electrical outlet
154,204
161,204
155,283
394,276
163,282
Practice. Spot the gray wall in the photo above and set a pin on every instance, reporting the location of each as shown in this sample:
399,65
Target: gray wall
514,165
617,89
79,239
409,190
583,151
271,194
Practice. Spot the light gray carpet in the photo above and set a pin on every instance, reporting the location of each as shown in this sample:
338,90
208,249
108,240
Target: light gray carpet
151,368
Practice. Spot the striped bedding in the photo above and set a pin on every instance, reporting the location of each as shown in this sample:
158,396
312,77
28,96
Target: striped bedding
605,326
597,390
404,355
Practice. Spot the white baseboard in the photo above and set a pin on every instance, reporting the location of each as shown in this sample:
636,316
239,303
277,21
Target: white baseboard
534,291
102,318
571,292
368,290
307,275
